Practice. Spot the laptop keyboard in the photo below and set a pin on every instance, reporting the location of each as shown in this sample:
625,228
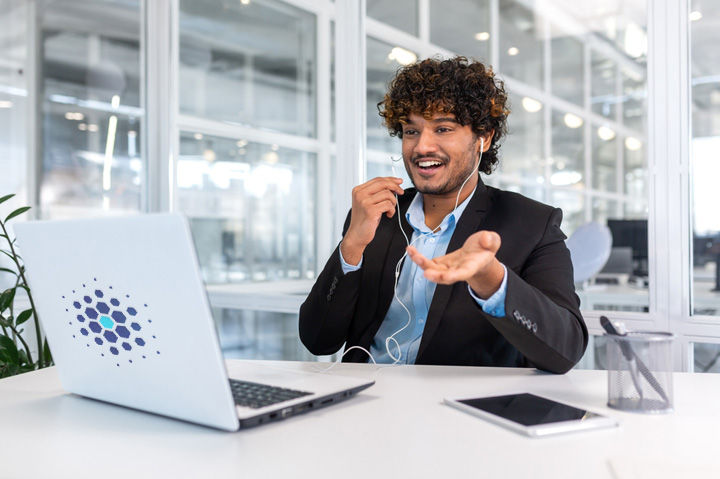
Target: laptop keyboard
256,395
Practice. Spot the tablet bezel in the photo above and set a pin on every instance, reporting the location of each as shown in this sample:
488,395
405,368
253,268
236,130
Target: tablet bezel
592,421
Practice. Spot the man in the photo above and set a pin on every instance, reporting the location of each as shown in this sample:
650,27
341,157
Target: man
490,282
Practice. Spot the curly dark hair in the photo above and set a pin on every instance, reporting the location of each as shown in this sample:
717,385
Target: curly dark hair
467,89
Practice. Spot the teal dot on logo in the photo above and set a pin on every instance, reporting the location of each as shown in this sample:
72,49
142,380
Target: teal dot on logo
106,322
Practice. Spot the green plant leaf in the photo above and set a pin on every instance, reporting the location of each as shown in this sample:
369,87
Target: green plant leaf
8,347
23,357
8,271
5,198
17,212
24,316
7,254
6,299
48,355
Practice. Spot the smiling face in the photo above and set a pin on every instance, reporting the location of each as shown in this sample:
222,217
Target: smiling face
440,154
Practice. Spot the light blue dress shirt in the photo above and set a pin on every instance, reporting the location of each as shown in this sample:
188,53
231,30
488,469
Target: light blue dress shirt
411,302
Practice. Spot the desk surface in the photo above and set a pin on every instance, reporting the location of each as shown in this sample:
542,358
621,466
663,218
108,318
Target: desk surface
399,427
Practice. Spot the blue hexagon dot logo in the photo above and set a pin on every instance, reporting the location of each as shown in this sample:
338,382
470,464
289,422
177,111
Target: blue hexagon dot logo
118,316
122,331
103,308
108,326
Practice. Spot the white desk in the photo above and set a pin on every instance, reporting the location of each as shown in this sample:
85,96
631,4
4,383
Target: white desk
397,428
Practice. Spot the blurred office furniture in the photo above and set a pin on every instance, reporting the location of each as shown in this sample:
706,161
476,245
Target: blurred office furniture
633,234
590,247
619,267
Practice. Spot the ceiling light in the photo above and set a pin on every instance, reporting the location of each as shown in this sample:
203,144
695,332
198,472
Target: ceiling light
632,144
605,133
695,16
512,51
572,121
565,178
482,36
198,136
72,115
6,104
531,105
209,155
115,102
402,56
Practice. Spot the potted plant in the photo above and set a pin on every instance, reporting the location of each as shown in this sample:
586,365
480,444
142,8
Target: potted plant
15,353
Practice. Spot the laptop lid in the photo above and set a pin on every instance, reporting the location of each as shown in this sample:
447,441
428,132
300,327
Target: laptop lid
123,306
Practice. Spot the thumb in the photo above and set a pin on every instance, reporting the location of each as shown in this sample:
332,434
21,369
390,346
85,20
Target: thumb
489,240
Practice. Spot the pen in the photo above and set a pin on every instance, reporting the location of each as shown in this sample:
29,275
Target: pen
632,357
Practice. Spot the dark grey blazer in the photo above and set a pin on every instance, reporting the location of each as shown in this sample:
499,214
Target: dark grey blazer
543,327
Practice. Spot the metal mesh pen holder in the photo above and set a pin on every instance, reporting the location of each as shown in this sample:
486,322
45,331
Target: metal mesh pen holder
640,371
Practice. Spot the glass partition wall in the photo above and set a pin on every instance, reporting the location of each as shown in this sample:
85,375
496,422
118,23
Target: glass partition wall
248,133
705,171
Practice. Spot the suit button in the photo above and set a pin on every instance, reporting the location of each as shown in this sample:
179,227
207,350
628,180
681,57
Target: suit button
335,281
329,297
534,328
517,315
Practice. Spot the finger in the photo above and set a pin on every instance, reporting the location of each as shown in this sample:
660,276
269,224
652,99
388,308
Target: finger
447,276
490,240
380,202
378,184
419,259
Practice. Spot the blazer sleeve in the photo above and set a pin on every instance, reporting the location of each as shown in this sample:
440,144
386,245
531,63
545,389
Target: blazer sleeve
326,314
542,312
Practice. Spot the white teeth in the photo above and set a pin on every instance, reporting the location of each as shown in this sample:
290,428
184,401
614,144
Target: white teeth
427,164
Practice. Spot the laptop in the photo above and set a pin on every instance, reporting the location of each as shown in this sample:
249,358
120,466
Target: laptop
128,321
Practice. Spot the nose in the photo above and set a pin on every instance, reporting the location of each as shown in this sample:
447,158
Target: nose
425,143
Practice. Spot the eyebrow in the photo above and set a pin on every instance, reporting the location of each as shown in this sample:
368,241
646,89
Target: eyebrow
437,120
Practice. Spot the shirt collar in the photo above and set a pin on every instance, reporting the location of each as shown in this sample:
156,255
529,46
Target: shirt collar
415,214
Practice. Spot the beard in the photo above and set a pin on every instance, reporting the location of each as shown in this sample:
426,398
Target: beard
462,168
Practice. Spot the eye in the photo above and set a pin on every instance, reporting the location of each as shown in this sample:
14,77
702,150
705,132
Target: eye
444,129
409,132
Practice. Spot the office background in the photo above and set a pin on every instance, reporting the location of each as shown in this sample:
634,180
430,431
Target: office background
257,117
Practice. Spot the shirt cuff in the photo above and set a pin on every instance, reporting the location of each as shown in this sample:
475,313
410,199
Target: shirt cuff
348,268
495,304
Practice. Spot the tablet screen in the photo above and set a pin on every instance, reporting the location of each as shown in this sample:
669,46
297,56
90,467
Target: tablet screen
528,409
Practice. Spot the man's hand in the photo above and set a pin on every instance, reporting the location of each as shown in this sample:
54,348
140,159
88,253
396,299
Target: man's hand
475,263
370,201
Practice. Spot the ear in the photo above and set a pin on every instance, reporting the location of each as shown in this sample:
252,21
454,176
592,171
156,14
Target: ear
487,141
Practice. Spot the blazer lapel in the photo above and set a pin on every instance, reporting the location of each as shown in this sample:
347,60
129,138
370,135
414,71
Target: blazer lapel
468,224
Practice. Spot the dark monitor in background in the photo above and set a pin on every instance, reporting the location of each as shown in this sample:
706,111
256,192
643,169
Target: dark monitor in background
633,234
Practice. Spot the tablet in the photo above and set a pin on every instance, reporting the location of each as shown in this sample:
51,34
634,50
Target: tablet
533,415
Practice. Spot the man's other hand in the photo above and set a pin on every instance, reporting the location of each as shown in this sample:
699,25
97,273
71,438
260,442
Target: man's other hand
474,263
